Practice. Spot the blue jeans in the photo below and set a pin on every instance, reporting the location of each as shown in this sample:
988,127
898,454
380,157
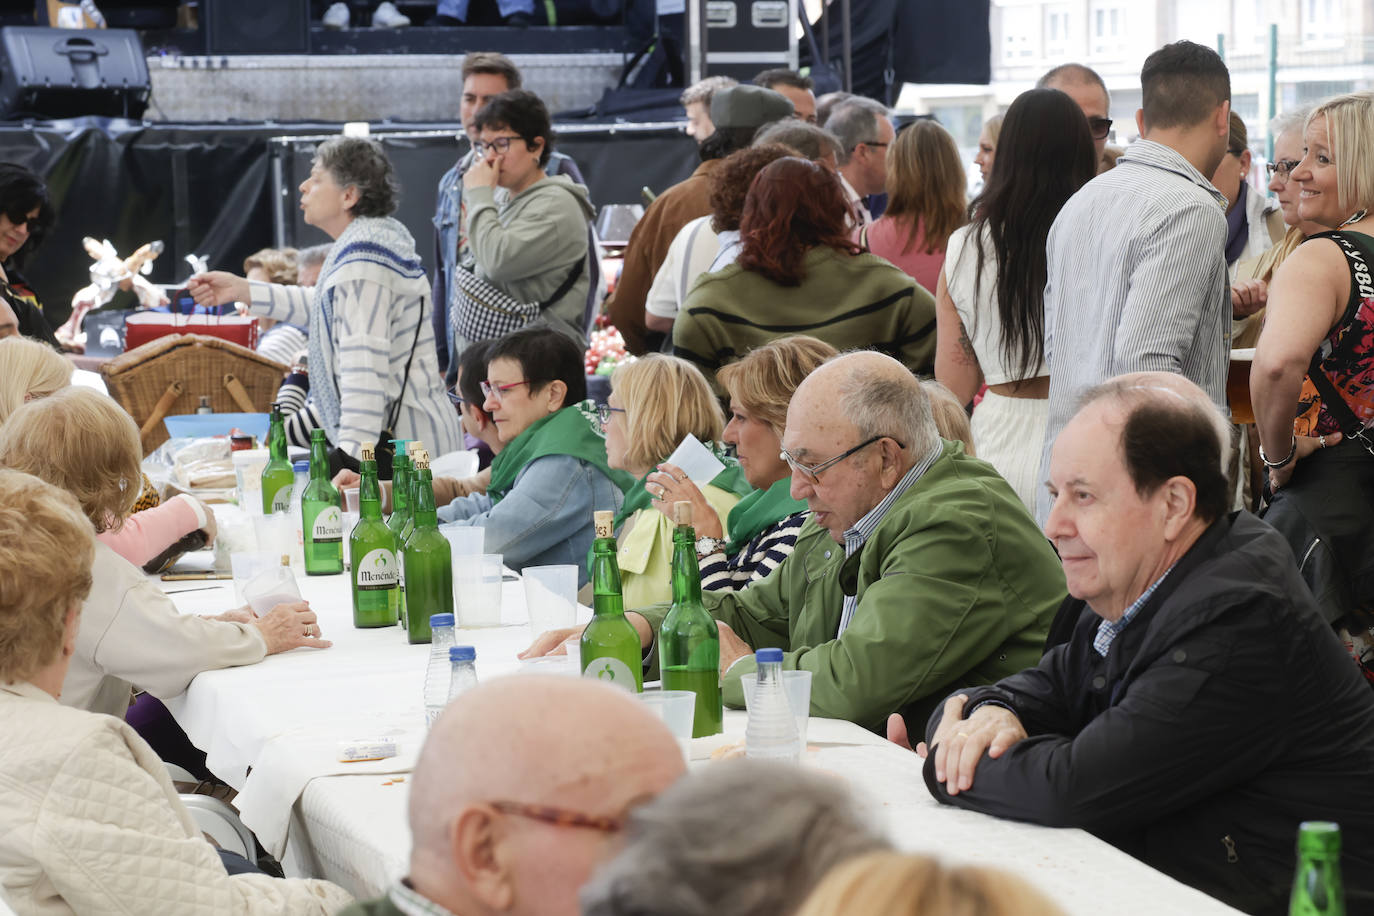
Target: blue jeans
458,9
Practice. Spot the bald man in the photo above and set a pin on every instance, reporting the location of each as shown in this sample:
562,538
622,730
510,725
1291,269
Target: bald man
1089,92
1198,708
522,785
918,568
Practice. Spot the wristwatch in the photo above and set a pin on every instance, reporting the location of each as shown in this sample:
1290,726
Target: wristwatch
707,546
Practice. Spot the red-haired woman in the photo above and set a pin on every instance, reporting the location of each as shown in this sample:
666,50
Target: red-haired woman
799,273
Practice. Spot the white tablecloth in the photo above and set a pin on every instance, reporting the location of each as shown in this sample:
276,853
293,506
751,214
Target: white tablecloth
283,718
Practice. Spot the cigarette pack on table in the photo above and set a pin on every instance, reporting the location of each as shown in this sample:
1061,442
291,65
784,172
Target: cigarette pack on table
367,749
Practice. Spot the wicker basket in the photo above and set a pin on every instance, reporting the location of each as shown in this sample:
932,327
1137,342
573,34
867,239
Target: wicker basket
168,376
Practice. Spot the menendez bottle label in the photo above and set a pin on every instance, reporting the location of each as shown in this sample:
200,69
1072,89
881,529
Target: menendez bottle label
328,527
281,500
611,671
377,571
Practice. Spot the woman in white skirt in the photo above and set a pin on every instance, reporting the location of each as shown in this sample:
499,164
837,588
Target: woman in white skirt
990,300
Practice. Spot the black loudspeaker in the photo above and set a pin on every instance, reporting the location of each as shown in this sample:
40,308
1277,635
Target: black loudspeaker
67,73
256,26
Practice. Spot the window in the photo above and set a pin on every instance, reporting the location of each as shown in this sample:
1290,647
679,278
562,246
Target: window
1251,25
1020,27
1108,28
1057,35
1322,20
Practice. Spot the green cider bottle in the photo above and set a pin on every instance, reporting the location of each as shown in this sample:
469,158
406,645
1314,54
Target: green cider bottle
401,472
376,569
277,477
413,449
1317,886
689,641
610,646
428,562
321,515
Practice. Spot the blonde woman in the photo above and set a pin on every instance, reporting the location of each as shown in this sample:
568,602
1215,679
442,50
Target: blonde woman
30,370
132,634
950,417
987,145
61,852
655,403
926,202
896,884
280,341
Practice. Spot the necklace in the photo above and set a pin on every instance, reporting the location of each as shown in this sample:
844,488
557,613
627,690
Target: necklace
1354,218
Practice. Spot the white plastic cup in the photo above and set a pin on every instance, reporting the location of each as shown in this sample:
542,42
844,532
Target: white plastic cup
477,590
550,597
246,565
248,465
464,540
677,709
350,498
270,588
798,687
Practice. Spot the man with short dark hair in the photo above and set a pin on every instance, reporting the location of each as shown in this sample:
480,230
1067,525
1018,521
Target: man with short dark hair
484,75
1136,272
865,133
1200,708
1089,92
794,87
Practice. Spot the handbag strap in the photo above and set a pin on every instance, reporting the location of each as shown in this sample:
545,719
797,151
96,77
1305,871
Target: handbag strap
395,413
566,285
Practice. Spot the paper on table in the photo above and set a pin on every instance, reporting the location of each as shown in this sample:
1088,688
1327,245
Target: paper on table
696,461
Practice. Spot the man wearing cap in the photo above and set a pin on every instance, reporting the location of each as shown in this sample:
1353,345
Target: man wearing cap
737,113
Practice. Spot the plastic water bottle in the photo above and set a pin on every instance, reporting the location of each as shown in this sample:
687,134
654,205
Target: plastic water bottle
462,670
772,730
437,675
301,470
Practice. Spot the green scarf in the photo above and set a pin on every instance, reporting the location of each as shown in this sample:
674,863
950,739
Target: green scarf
730,480
564,432
759,510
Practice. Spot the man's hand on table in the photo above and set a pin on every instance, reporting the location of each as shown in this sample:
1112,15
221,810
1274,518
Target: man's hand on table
550,642
959,743
290,626
732,648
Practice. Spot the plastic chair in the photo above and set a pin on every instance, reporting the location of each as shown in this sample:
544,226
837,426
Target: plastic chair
222,823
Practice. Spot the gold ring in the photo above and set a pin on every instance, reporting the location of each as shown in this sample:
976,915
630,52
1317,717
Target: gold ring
961,734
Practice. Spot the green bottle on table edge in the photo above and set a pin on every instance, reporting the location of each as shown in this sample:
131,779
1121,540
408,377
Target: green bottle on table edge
400,514
610,646
1317,887
277,477
689,641
428,562
321,515
376,568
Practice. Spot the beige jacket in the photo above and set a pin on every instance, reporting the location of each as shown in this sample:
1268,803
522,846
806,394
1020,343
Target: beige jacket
132,635
90,824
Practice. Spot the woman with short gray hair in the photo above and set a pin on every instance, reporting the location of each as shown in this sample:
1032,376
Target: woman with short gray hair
373,365
744,838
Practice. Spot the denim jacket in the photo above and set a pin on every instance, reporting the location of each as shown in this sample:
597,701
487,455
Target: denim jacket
546,518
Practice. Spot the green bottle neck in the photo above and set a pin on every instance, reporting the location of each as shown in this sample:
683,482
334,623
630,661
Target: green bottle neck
686,573
400,487
607,600
369,492
276,437
319,459
425,515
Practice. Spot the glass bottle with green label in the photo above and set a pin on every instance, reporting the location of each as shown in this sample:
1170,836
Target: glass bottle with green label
376,569
403,535
610,646
1317,886
689,641
321,514
428,562
400,514
277,477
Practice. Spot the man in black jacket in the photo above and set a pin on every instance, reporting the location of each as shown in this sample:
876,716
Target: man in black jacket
1201,708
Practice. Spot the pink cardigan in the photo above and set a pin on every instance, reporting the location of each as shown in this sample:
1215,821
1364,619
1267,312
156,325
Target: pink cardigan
146,534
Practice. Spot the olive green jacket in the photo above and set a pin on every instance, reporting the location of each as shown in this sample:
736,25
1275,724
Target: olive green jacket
956,587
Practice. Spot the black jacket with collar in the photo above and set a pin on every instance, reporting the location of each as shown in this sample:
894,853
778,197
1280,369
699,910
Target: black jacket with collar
1225,713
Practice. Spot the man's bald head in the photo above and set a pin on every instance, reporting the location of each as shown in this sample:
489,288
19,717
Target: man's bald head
1089,92
878,395
557,742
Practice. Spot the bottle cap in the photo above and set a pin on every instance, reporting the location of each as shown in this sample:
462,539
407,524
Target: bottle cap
368,453
764,656
421,462
286,559
400,445
604,522
1319,838
441,620
415,446
301,465
462,654
682,512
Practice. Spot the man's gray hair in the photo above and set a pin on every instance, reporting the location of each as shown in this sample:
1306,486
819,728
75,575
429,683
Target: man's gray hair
889,403
855,121
702,90
314,256
1292,119
742,838
815,143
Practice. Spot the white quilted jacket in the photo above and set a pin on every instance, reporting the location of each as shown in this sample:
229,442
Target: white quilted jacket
90,825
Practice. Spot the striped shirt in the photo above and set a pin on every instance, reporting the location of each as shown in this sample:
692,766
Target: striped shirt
858,535
1136,281
283,343
754,561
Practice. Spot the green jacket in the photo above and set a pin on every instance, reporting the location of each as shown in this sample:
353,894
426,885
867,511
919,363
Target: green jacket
956,587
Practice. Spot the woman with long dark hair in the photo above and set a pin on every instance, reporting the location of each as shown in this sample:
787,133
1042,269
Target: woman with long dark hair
26,214
799,272
990,301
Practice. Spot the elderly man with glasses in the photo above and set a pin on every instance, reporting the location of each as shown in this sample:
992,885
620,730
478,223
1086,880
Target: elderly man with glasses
520,790
919,568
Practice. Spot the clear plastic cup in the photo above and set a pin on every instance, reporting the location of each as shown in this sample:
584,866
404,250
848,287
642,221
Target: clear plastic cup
798,687
677,709
464,540
477,590
247,565
350,499
270,588
550,597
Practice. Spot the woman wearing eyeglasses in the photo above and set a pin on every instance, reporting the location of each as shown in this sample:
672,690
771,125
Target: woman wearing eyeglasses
26,214
530,238
551,472
1253,224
